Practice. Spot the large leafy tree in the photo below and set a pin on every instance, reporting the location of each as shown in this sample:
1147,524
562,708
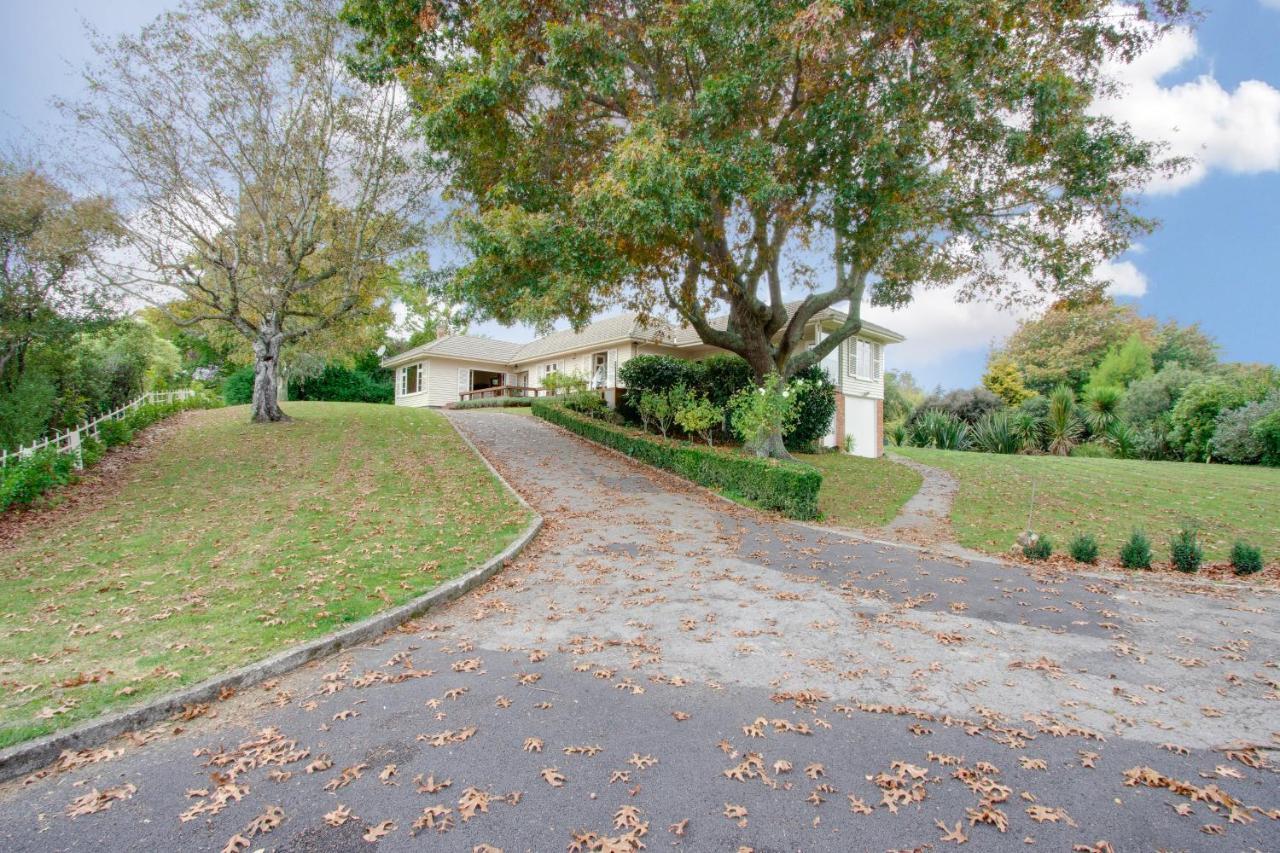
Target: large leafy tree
267,188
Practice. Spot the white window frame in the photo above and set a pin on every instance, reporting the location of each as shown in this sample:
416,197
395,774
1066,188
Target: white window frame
404,379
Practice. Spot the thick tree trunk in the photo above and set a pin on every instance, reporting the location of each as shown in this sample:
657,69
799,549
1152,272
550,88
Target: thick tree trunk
773,448
266,378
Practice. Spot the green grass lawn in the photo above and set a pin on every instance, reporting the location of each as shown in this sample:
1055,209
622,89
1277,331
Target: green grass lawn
230,542
860,492
1109,498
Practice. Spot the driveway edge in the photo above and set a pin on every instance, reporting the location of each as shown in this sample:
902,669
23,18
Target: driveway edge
24,758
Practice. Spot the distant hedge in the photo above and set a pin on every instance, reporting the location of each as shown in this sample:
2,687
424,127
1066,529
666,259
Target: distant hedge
788,487
493,402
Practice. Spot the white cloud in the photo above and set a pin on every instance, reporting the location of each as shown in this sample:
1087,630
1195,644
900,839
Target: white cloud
1123,278
1235,131
1270,4
938,327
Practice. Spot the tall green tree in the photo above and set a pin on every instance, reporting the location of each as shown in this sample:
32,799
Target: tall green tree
668,154
269,188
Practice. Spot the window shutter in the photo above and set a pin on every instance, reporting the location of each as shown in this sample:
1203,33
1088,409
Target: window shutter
464,380
877,372
851,357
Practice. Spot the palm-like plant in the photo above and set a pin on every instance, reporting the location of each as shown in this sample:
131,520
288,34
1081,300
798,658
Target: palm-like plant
1062,427
1030,430
1102,407
995,433
1123,439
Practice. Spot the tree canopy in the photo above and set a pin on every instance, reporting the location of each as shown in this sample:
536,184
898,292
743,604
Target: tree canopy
691,156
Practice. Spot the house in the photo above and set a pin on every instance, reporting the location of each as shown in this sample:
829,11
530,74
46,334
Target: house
456,367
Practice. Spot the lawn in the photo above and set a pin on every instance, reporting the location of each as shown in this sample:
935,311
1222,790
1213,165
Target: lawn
859,492
1109,498
230,542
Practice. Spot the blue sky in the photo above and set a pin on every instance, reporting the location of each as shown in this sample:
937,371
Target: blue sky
1213,94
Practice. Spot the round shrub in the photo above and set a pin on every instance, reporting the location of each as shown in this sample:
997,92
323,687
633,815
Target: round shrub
815,406
114,433
1185,552
1246,559
1039,548
1084,549
722,376
1136,552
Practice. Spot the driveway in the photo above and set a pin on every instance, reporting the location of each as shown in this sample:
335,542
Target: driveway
662,668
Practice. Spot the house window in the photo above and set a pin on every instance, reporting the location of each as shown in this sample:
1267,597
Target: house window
550,368
864,360
411,380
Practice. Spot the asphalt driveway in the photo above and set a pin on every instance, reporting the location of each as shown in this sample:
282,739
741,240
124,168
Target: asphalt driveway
664,669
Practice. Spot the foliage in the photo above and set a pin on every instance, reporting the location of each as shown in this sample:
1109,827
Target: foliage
761,413
283,239
897,433
1184,346
1185,552
1194,418
1066,343
340,384
1029,426
1136,551
115,432
1038,548
1267,431
1122,439
659,373
699,416
1234,437
1004,379
1084,548
967,404
1062,427
22,482
943,430
659,408
589,168
237,389
1123,365
815,406
1246,559
996,432
902,396
586,402
493,402
719,377
1092,450
1102,407
557,382
788,487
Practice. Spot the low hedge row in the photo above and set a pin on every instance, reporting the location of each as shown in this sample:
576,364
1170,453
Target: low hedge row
493,402
788,487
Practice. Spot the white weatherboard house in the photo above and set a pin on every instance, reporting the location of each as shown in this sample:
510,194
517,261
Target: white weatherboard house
459,367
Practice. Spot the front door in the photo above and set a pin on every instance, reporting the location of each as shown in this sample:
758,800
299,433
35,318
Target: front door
600,370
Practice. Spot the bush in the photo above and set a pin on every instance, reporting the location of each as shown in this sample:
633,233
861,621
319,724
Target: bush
967,404
237,389
1267,431
1029,428
1195,418
1062,427
1084,549
588,403
815,406
699,416
23,481
759,413
1038,548
1122,439
340,384
1136,552
789,487
1092,450
995,432
1102,407
940,429
655,373
898,434
556,382
719,377
114,433
493,402
1185,552
1234,439
1246,559
91,451
656,408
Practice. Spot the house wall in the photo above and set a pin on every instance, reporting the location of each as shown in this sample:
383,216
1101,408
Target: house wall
440,383
861,424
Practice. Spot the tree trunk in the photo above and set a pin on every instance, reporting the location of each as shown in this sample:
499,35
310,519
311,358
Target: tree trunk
773,448
266,378
762,364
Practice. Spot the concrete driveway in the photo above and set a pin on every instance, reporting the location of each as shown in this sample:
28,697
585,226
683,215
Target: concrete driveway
665,669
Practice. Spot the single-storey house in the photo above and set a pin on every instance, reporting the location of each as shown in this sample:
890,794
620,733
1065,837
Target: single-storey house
457,367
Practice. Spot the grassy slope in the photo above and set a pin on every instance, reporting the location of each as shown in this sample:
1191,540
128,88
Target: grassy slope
232,542
1109,497
860,492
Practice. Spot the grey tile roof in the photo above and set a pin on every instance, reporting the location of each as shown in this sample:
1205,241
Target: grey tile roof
620,327
688,336
469,347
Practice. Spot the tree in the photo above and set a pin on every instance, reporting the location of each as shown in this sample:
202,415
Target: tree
1065,344
1004,379
268,187
669,154
1184,346
1122,365
902,395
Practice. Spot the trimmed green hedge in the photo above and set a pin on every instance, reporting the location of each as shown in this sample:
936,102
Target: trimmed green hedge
790,488
493,402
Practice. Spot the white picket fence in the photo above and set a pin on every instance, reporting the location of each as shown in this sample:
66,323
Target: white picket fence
71,440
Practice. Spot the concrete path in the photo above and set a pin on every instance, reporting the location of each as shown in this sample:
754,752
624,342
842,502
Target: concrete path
664,669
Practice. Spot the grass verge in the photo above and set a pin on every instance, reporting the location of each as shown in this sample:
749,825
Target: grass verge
859,492
1109,498
231,541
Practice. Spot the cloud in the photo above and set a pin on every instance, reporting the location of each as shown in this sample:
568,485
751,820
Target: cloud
1123,278
1270,4
939,328
1235,131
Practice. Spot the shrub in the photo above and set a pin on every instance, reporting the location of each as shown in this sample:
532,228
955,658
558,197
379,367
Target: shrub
1267,431
995,432
556,382
942,430
341,384
1246,559
719,377
493,402
759,413
1084,548
1122,439
789,487
699,416
1185,552
114,433
967,404
27,479
660,373
1062,428
1136,552
587,403
237,389
1029,428
655,408
91,451
1092,450
1102,407
815,406
1123,365
1234,439
898,434
1195,418
1038,548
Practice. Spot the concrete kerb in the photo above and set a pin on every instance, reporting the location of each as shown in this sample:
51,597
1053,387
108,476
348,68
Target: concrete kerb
24,758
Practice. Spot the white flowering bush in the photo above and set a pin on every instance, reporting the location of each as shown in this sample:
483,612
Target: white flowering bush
761,415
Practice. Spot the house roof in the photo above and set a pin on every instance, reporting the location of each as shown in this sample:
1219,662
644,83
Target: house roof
621,327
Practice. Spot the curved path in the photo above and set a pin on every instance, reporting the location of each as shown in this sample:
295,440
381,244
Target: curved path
663,668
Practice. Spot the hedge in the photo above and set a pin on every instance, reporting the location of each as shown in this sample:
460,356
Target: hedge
493,402
789,487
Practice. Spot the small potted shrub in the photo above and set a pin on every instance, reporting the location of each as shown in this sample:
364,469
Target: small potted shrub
1246,559
1136,552
1084,549
1185,552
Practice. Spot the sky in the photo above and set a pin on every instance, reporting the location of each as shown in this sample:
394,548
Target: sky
1212,93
